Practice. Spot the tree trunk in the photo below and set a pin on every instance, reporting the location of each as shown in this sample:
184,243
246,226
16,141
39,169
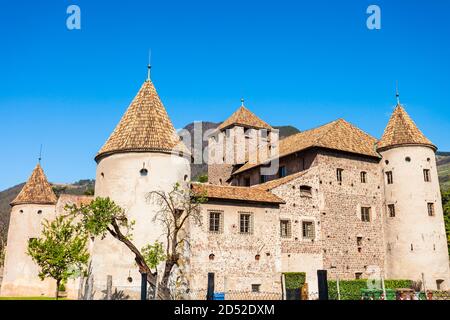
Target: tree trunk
138,258
164,284
58,281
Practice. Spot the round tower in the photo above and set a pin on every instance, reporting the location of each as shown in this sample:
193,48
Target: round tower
416,243
143,154
36,202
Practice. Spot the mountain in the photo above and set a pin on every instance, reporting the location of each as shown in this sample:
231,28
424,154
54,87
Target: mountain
443,166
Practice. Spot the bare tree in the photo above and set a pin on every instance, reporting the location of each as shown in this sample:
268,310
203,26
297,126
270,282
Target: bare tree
178,207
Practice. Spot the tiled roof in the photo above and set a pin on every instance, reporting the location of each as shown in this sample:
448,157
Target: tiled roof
402,130
37,190
244,117
272,184
235,193
337,135
145,127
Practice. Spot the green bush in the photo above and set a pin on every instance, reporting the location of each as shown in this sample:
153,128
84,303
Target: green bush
351,289
294,280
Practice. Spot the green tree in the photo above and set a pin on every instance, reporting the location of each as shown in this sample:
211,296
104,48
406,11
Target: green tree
101,217
60,252
446,206
153,254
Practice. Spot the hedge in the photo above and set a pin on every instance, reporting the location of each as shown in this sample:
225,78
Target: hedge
351,289
294,280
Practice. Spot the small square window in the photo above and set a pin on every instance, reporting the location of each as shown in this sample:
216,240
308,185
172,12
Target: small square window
256,288
359,241
389,177
430,206
391,210
358,275
308,229
305,191
426,175
285,228
365,214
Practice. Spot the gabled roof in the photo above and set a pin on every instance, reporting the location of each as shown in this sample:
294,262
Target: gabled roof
145,127
401,130
337,135
272,184
246,118
37,190
247,194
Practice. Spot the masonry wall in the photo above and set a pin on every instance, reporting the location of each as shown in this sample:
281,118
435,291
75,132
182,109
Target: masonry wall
235,264
301,254
341,222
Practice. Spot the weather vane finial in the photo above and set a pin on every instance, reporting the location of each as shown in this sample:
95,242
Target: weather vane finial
397,94
242,102
40,155
149,66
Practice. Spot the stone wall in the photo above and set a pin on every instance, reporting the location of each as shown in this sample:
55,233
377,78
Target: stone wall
236,263
341,215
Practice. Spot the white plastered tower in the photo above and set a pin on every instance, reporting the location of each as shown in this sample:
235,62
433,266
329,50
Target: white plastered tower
143,154
35,203
414,228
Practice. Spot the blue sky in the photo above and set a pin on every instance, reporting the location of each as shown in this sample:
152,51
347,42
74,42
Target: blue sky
302,63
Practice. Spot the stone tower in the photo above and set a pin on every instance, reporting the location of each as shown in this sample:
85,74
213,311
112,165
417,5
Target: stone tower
35,203
414,225
234,140
143,154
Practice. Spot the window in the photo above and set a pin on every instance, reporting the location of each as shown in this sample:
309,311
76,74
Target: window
389,177
339,174
247,181
308,229
359,241
263,178
282,172
439,283
285,228
365,214
391,210
358,275
39,212
215,222
256,288
426,175
430,206
305,191
363,177
245,223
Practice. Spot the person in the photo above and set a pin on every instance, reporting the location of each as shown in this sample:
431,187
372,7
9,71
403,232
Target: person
429,295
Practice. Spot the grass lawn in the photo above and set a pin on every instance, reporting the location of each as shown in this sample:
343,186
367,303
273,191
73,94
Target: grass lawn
30,298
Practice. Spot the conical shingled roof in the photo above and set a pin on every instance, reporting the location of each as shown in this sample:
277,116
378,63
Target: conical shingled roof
37,190
246,118
145,127
401,130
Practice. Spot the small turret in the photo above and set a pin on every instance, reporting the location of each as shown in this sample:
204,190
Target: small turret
35,203
416,246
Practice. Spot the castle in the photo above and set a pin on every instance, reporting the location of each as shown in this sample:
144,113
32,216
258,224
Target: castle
332,198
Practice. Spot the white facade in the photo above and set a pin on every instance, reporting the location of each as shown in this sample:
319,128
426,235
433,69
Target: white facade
415,241
119,177
20,277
